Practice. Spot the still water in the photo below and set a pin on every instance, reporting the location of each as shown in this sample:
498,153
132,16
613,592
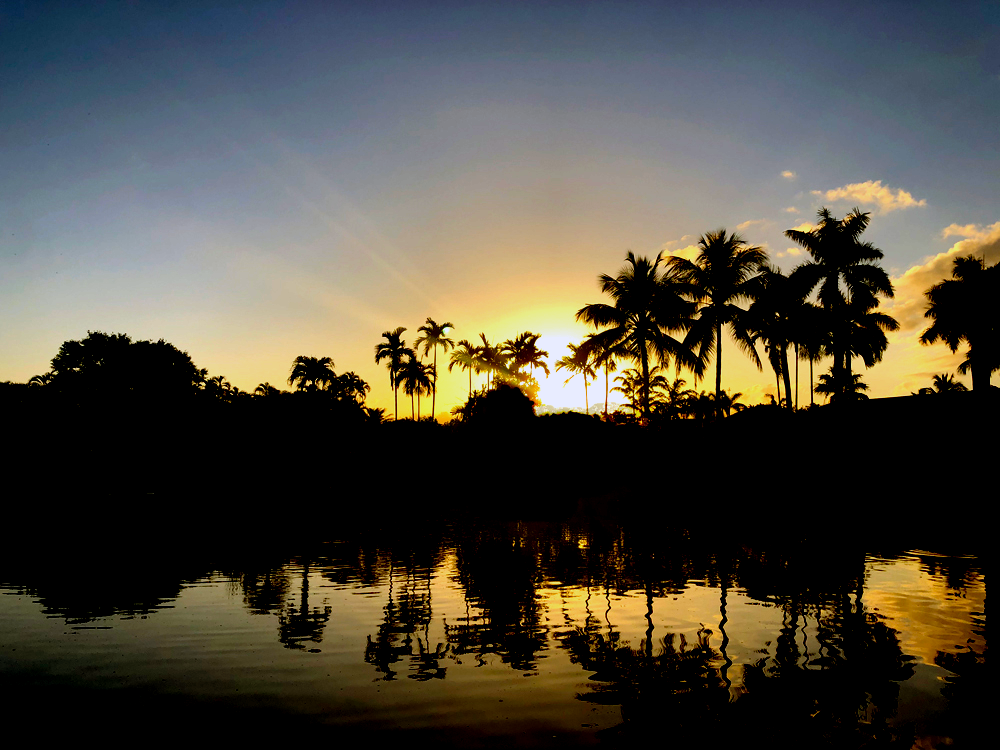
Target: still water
500,634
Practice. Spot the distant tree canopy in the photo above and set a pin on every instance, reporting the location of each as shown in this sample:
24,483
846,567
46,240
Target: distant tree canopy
112,364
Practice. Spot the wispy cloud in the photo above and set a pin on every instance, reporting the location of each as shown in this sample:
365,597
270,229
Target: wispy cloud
752,223
969,231
791,210
872,193
805,226
790,252
789,174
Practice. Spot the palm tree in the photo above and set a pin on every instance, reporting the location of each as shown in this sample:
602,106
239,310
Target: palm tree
780,316
605,358
648,307
843,268
311,373
433,336
464,355
265,389
523,352
943,384
962,309
394,351
840,384
415,378
491,360
721,275
43,379
578,362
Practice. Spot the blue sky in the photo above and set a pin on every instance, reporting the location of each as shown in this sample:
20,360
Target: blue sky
253,182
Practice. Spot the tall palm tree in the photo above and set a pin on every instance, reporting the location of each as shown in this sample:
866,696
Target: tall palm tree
432,336
464,356
648,305
778,316
579,362
394,351
721,275
311,373
415,377
962,308
605,359
842,268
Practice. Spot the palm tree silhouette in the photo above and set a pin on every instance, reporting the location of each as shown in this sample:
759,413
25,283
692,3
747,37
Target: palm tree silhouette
943,384
961,309
464,355
721,277
844,269
523,352
394,351
311,373
841,385
648,306
415,378
578,362
778,316
433,336
605,359
491,360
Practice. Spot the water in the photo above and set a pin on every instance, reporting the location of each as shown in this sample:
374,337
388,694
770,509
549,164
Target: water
499,634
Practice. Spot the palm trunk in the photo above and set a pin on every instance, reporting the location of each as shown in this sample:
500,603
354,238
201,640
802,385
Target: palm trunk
785,373
605,391
796,376
718,370
434,393
644,357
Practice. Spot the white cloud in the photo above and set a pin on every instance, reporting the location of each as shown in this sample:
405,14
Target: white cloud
752,223
669,247
872,193
789,174
791,210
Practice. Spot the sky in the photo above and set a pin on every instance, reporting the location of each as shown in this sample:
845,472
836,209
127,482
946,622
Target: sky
253,182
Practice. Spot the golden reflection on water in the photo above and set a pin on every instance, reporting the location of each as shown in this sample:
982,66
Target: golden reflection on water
546,639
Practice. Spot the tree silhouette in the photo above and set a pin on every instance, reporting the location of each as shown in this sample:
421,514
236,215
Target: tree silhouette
432,336
838,385
845,270
394,351
523,352
578,362
648,307
721,277
311,373
962,308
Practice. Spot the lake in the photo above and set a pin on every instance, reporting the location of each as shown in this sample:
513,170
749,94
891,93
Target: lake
488,634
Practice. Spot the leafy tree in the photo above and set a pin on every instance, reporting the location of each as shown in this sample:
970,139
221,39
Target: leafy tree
962,308
647,307
432,336
395,352
113,366
845,271
311,373
721,278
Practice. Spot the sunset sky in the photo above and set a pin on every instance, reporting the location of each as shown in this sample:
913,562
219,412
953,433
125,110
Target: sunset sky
258,181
